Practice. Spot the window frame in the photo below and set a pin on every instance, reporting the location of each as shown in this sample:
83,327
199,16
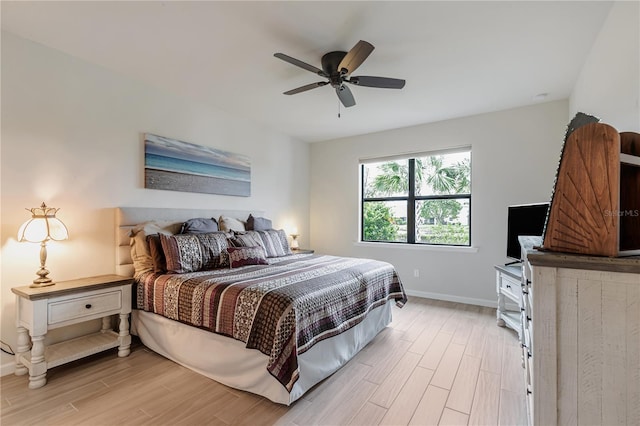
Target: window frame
411,198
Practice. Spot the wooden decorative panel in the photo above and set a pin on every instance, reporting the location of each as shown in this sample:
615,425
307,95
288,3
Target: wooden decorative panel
629,193
583,217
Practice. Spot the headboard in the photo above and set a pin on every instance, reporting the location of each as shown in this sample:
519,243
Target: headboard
128,217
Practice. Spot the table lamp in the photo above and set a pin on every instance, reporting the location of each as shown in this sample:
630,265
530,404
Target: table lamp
42,227
294,240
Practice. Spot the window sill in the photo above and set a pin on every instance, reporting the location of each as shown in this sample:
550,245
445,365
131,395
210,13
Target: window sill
402,246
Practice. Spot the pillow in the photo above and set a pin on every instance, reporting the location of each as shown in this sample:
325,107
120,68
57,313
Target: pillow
246,239
226,223
199,225
275,242
243,256
194,252
157,255
258,223
140,254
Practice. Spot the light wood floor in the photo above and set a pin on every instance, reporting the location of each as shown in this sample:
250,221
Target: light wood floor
437,363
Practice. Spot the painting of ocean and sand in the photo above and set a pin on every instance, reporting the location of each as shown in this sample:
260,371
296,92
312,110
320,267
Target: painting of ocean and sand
181,166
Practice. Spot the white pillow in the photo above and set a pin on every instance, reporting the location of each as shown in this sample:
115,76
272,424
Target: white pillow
228,224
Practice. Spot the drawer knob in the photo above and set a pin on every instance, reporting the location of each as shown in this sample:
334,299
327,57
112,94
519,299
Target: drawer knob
88,306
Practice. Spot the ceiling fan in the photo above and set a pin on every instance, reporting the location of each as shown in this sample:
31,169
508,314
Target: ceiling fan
337,68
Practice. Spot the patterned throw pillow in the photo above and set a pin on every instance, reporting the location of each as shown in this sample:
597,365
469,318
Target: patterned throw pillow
194,252
243,256
275,242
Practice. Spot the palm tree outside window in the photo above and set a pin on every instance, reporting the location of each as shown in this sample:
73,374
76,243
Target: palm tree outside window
421,199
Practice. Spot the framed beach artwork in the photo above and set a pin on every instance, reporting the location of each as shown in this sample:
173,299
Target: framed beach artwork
181,166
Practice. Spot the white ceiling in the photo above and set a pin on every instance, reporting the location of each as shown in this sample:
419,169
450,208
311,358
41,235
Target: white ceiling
459,58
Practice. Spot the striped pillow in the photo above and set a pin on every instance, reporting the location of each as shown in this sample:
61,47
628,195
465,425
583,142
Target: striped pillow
275,242
246,239
194,252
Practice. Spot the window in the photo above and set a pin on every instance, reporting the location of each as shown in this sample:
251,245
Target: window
422,199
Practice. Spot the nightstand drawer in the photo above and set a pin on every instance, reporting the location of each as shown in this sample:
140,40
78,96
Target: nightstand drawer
511,287
81,307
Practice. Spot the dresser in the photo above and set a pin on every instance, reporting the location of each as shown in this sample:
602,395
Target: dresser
581,338
39,310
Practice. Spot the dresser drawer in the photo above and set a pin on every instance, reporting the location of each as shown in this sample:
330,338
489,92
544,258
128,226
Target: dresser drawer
81,307
526,346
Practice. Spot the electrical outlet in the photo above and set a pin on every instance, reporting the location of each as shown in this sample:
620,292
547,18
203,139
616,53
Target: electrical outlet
416,273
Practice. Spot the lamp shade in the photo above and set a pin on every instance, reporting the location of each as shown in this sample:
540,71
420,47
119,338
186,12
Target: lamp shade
43,226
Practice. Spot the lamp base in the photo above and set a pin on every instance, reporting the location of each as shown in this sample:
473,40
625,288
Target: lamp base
43,281
36,284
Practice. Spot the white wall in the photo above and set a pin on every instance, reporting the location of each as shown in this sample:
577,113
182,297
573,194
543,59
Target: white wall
71,136
514,158
609,82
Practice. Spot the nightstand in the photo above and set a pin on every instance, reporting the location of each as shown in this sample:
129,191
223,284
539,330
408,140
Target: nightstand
509,288
302,251
39,310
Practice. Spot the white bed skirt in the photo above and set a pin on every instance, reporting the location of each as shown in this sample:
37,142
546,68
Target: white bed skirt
227,361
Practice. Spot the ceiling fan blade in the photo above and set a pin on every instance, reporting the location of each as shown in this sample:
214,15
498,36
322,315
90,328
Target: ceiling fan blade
383,82
306,87
345,96
355,57
300,64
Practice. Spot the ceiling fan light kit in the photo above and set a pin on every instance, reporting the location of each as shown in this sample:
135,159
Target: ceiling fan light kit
337,67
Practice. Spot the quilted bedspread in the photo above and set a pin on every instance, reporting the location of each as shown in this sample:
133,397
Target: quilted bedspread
280,309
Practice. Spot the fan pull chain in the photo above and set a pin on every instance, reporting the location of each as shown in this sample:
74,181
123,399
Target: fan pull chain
338,109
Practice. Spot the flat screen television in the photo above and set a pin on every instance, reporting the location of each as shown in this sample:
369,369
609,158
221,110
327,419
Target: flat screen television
524,219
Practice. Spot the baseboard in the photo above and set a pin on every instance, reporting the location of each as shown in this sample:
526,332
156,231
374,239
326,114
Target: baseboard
7,368
451,298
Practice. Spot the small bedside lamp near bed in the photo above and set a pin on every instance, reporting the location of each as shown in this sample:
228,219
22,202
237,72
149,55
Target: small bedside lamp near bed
42,227
294,239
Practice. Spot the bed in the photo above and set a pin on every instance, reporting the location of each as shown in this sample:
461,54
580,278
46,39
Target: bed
273,328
